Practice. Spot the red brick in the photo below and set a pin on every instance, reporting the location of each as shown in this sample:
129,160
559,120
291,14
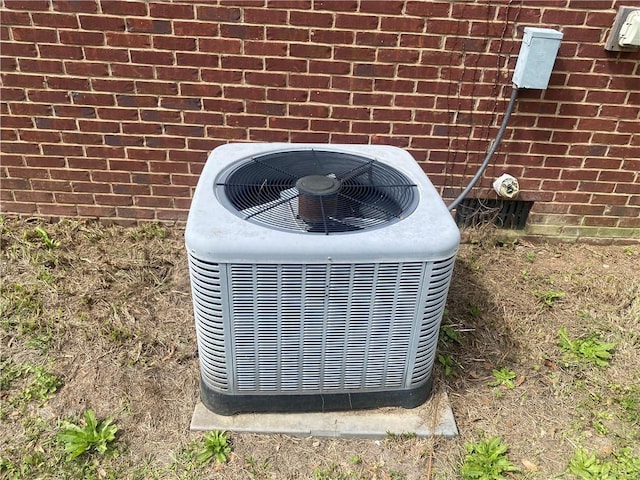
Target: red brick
389,55
280,95
54,123
101,99
138,40
124,7
60,51
219,14
165,10
8,17
336,5
35,35
148,26
311,19
55,20
354,53
73,37
132,71
81,138
102,23
177,73
197,59
106,54
14,49
116,200
30,109
598,199
31,5
295,34
141,128
611,138
244,93
146,154
117,114
201,118
151,57
123,141
131,189
114,86
165,142
265,16
99,176
616,176
174,43
288,65
372,70
182,103
99,126
268,135
40,136
329,67
600,187
87,68
169,116
220,45
195,29
244,32
170,191
137,101
158,88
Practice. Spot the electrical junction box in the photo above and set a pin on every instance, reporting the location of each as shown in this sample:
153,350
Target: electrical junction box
536,58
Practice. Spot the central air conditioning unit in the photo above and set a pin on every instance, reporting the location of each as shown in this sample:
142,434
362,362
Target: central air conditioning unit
319,276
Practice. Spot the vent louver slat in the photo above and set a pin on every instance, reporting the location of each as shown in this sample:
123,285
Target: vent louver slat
431,317
322,328
208,313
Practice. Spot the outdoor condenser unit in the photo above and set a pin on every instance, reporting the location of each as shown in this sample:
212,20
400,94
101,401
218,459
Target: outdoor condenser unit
319,276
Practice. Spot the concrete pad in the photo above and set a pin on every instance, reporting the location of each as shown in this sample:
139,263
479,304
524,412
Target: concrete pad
434,417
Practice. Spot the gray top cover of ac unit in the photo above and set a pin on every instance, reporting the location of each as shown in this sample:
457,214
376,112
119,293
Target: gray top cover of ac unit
218,235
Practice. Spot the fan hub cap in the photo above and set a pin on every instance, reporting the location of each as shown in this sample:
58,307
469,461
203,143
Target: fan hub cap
318,185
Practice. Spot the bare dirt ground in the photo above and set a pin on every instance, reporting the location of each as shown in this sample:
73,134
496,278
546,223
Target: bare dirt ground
107,315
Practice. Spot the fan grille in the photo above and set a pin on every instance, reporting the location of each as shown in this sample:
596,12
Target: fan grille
359,193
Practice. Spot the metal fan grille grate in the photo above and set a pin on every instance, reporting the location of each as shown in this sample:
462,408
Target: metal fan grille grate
323,328
370,194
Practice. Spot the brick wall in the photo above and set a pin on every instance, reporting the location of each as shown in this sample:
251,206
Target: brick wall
110,107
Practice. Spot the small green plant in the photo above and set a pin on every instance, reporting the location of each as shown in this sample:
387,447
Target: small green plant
590,349
447,364
475,311
94,436
549,297
216,447
487,460
621,466
448,335
46,239
530,256
504,377
355,459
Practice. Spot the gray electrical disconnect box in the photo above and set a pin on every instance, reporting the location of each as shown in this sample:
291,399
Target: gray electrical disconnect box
537,55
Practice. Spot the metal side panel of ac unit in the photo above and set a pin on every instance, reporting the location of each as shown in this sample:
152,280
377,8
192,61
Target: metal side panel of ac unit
306,329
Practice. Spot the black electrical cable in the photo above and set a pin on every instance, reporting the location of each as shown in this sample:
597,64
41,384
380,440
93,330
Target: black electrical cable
494,147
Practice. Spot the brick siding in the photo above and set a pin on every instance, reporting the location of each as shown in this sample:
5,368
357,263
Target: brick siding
110,107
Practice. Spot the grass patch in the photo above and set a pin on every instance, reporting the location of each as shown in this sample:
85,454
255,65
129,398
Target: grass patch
585,350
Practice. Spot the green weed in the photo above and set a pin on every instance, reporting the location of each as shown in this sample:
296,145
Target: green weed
504,377
216,447
448,335
487,460
623,465
93,436
46,239
530,256
447,364
589,350
549,297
